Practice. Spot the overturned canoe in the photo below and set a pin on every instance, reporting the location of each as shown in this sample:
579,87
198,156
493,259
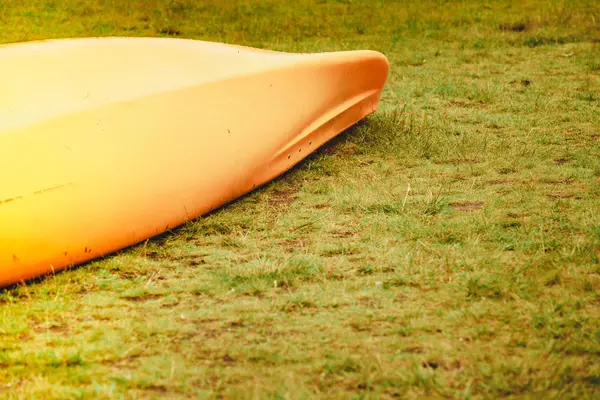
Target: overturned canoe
107,142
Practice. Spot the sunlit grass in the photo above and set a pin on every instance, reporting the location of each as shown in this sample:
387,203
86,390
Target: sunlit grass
447,246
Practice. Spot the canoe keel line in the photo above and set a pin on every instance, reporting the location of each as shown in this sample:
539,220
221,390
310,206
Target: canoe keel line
106,142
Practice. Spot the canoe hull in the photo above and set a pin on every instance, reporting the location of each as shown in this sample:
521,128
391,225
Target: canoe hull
95,180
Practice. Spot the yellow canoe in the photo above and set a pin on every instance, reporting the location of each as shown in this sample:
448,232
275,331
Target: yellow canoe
105,142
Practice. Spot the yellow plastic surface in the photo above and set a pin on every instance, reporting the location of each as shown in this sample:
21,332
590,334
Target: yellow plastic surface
107,142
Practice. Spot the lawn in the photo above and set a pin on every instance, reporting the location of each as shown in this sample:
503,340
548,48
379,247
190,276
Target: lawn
447,246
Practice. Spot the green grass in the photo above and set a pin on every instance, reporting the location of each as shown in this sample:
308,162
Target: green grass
447,246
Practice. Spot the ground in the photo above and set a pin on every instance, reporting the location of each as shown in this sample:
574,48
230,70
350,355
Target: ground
447,246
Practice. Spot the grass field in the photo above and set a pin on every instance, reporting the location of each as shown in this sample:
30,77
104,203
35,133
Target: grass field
447,246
